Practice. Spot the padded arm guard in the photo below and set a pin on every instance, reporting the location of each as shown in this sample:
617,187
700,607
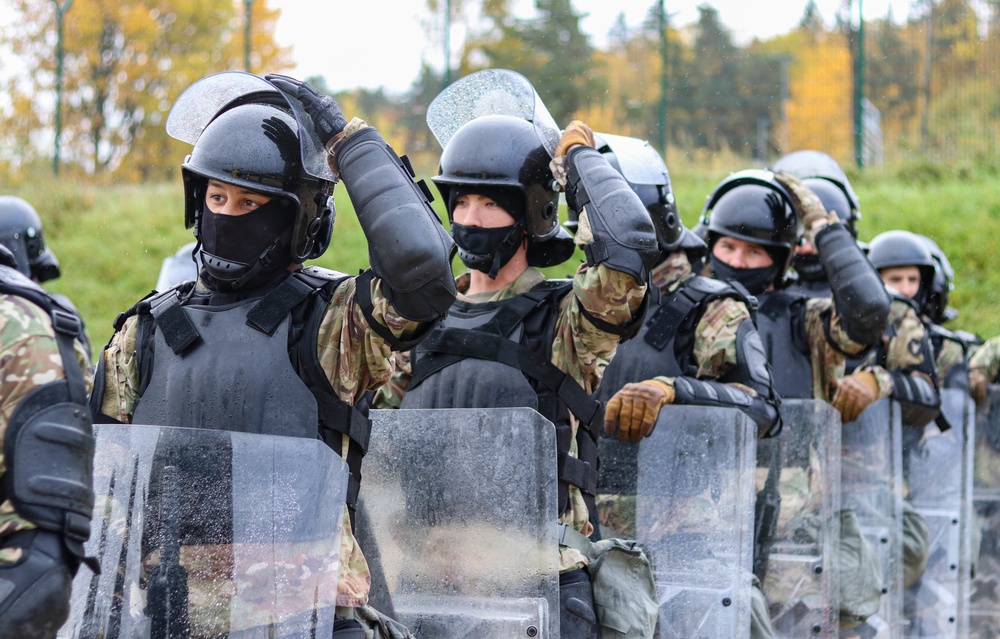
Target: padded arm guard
49,450
707,393
917,396
858,293
624,238
408,246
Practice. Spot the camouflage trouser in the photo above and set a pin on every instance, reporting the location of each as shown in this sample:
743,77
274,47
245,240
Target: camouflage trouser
916,545
859,570
760,618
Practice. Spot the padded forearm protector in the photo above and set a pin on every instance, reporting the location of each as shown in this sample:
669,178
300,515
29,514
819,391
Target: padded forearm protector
624,238
858,293
409,249
708,393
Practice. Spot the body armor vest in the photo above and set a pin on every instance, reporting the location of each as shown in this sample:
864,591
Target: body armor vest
249,366
781,328
665,343
499,354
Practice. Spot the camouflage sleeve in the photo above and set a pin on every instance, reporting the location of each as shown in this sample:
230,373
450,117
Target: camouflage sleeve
355,357
905,343
987,359
390,395
581,349
121,374
951,354
829,346
29,358
715,336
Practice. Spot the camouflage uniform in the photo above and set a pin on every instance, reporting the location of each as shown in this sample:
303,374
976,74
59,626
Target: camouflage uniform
354,357
29,357
986,359
579,349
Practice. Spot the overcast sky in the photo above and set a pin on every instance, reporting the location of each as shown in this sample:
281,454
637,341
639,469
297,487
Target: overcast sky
374,43
382,42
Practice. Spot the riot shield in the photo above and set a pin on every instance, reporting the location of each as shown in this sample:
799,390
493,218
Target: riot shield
984,600
491,92
457,515
871,489
797,520
939,474
685,493
207,533
179,267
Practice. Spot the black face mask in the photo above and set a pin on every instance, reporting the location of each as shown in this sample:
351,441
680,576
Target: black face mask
487,249
809,267
755,280
245,251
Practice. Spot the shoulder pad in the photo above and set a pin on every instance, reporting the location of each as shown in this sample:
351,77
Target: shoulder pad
722,288
772,304
551,286
13,279
318,277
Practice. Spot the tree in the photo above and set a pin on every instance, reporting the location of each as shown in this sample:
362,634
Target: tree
552,52
126,61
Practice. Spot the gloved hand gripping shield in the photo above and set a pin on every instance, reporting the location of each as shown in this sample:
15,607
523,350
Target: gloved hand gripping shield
685,494
939,475
210,533
457,516
871,497
796,545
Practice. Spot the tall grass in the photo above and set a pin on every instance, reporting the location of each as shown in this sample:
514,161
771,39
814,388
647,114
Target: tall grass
111,239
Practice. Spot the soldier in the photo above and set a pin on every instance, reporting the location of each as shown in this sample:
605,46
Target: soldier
47,457
750,222
21,232
517,339
697,346
259,344
827,180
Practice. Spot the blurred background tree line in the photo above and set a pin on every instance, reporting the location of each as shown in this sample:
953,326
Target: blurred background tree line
929,88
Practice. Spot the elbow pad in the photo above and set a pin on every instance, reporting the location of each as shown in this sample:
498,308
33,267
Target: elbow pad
707,393
409,249
624,238
49,450
858,293
917,396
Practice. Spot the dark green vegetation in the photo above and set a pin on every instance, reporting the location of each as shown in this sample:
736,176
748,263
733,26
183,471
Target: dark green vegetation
112,239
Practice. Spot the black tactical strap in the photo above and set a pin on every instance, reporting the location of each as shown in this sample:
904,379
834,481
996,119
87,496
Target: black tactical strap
663,325
271,310
363,296
178,331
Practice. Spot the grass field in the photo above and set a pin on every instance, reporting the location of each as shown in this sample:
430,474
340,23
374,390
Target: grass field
111,239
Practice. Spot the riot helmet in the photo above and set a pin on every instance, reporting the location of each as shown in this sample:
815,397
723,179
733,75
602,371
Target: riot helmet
901,248
21,233
936,307
818,170
752,206
252,141
646,173
501,157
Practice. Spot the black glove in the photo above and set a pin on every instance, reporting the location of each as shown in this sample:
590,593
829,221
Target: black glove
38,602
328,119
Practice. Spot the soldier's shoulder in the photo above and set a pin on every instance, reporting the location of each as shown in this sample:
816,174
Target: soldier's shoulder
20,318
724,310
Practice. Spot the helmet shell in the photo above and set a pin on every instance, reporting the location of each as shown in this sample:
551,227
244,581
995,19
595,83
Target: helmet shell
503,151
903,248
21,233
752,206
816,164
256,146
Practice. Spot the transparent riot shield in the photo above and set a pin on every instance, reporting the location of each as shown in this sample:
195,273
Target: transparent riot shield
179,267
939,474
797,520
984,599
491,92
457,516
871,489
206,533
685,493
